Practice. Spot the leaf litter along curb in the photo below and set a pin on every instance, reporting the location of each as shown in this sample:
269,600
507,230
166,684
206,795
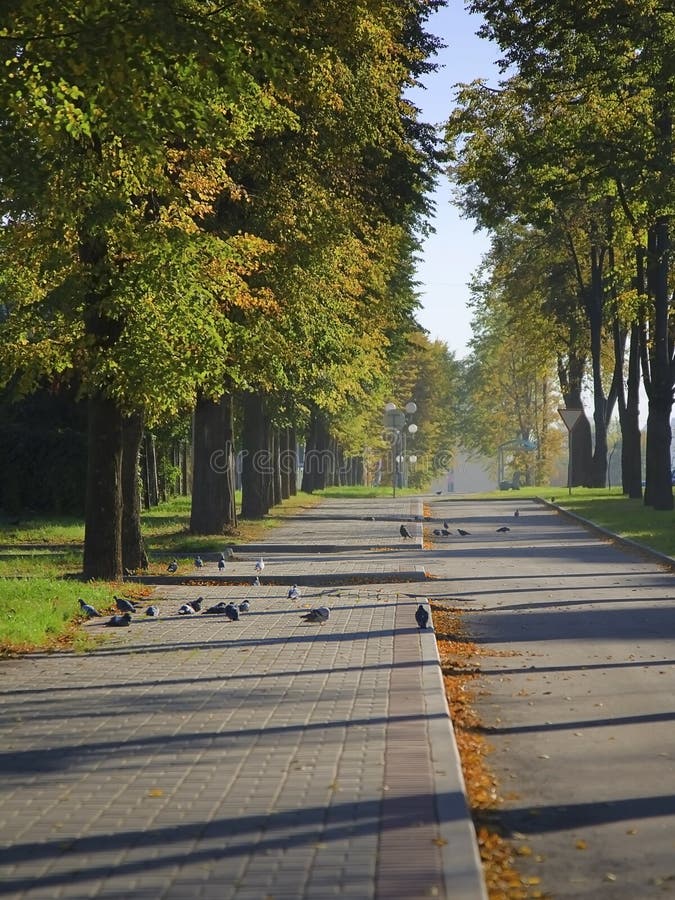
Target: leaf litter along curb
460,666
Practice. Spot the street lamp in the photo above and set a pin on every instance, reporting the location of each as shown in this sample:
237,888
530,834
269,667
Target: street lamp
395,420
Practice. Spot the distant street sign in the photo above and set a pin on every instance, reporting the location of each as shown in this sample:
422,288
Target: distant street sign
570,417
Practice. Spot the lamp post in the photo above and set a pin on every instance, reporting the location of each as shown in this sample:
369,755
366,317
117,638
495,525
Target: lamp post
395,420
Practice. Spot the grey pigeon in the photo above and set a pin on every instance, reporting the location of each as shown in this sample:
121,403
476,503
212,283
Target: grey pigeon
186,610
437,532
199,562
256,582
152,611
260,565
504,529
319,614
232,612
293,593
221,556
217,610
446,525
445,532
221,565
462,532
421,616
172,567
517,513
88,610
125,606
404,532
196,604
244,606
119,621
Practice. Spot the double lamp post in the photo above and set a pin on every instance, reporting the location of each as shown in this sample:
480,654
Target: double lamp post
396,421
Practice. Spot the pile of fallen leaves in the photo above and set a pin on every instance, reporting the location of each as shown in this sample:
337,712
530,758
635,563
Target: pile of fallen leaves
460,663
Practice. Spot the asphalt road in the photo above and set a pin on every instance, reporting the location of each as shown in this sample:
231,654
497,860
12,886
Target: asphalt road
581,717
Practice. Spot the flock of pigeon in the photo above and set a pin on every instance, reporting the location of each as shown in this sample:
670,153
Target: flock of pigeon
446,531
127,608
320,614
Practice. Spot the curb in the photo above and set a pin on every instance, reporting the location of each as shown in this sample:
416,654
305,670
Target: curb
462,867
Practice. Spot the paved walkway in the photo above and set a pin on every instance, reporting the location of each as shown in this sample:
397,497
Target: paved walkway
191,757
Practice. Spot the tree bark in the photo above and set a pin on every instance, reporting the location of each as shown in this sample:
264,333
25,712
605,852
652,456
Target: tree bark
275,449
256,474
570,377
103,504
133,550
317,466
657,373
213,508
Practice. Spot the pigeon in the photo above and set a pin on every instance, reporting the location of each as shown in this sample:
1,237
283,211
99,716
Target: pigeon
173,566
445,532
517,513
244,606
196,604
446,525
404,532
230,553
125,606
260,565
199,562
437,532
217,610
186,610
119,621
221,555
504,529
256,582
462,532
421,616
438,493
320,614
293,593
152,611
221,565
88,610
231,612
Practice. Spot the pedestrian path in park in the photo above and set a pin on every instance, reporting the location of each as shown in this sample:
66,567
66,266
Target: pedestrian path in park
194,757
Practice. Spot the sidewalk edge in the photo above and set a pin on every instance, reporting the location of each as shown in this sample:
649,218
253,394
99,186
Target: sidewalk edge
462,867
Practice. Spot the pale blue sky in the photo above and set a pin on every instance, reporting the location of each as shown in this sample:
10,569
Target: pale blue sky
452,254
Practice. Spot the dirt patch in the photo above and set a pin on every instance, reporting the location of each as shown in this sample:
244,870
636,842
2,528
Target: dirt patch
504,862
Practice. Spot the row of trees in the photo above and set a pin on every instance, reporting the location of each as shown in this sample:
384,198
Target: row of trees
210,210
569,164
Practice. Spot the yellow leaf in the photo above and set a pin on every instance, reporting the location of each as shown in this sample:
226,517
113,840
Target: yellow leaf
581,845
155,792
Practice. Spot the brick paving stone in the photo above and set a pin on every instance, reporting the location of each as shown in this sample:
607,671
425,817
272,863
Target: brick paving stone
200,758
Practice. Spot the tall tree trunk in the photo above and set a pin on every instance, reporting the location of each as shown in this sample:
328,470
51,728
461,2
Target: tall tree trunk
317,467
631,444
570,376
256,475
103,504
594,311
150,466
275,450
286,467
213,502
657,373
133,550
